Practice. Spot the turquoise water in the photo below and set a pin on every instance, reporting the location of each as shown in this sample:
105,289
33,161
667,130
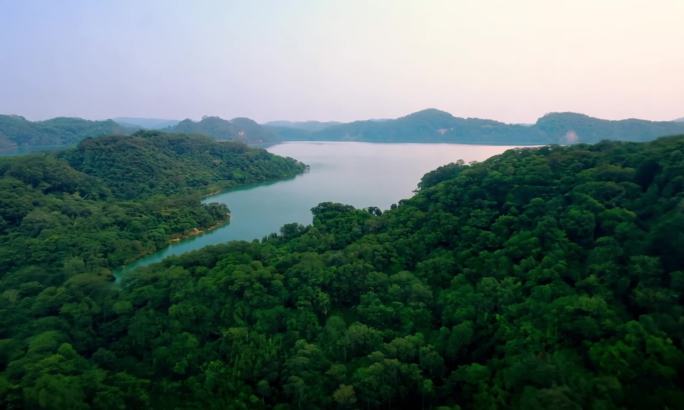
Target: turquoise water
356,173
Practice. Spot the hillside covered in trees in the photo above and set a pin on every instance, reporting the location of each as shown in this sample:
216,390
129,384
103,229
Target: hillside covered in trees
19,135
432,125
546,278
17,132
152,162
114,199
145,123
238,129
426,126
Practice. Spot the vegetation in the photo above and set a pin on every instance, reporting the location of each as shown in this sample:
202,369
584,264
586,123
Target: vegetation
151,162
238,129
114,199
541,278
573,127
17,132
438,126
298,130
145,123
20,135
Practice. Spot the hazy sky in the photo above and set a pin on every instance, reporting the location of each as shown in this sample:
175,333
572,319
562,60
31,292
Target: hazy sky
342,60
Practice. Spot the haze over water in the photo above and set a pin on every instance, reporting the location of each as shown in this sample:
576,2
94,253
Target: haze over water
355,173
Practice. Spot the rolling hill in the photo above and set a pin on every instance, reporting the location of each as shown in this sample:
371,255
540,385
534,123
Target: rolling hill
17,132
433,125
542,278
114,199
294,130
238,129
152,162
426,126
146,123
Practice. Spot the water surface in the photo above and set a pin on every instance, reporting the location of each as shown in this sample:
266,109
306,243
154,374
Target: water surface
356,173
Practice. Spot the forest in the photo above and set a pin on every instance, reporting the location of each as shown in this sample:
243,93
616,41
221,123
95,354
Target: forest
435,126
542,278
18,132
114,199
238,129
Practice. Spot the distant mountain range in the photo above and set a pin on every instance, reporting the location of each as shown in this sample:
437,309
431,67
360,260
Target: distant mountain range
291,130
302,125
237,129
429,125
146,123
433,125
17,132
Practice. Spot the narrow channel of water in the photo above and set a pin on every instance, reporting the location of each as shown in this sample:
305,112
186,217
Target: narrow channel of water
355,173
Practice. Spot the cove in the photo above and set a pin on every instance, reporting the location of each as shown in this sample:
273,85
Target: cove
355,173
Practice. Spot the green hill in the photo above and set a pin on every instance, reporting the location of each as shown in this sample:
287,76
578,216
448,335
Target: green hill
432,125
114,199
20,135
17,132
570,127
298,130
238,129
145,123
302,125
152,162
545,278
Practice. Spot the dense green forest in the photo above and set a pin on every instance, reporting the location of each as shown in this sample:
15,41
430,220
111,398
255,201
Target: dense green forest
432,125
237,129
298,130
152,162
145,123
546,278
17,132
114,199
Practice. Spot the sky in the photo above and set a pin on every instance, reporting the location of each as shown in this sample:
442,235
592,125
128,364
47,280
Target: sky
344,60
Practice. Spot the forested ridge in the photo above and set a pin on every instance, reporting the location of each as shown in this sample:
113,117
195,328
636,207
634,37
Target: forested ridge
238,129
83,212
425,126
152,162
435,126
18,132
546,278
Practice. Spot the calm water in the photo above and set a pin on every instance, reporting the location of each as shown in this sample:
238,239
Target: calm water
355,173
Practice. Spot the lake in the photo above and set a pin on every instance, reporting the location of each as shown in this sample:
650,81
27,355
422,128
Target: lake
356,173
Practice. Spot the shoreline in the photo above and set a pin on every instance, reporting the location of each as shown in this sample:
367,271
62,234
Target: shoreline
197,231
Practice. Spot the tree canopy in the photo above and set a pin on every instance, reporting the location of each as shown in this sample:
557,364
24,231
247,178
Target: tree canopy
114,199
18,132
541,278
433,125
238,129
